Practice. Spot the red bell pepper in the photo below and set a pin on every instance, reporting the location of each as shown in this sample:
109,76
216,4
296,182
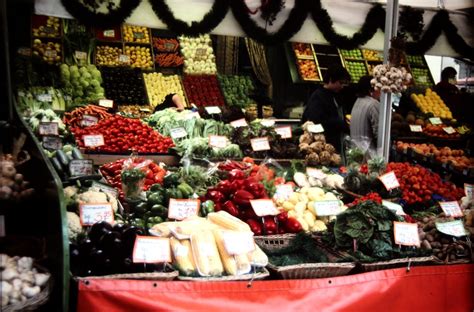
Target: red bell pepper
236,174
292,225
282,217
226,187
246,213
269,225
257,189
242,198
229,207
255,226
215,196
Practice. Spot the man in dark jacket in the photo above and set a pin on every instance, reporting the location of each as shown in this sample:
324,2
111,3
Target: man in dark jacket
322,107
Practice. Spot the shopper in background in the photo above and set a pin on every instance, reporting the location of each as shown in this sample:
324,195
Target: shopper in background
447,89
365,115
322,107
172,100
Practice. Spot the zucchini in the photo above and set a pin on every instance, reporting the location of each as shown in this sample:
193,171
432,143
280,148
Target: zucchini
57,166
63,159
76,153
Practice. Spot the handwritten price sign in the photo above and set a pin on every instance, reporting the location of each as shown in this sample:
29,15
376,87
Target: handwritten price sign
406,234
149,249
453,228
315,128
394,207
239,123
264,207
81,167
451,209
93,213
88,120
93,140
284,132
213,110
283,191
327,208
52,143
260,144
435,121
180,209
218,141
469,190
109,33
48,128
106,103
238,243
267,122
178,133
389,180
449,130
416,128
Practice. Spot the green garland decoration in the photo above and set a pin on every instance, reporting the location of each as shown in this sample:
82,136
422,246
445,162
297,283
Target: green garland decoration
207,24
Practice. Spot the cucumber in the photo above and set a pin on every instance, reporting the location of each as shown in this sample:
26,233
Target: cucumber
57,166
76,153
63,159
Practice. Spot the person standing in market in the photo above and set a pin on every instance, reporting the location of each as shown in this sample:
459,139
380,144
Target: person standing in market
323,108
172,100
447,89
365,116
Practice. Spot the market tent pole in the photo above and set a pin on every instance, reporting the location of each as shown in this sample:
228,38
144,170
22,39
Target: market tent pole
385,117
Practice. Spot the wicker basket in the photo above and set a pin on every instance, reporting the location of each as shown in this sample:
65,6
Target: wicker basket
272,244
35,302
397,263
312,270
262,274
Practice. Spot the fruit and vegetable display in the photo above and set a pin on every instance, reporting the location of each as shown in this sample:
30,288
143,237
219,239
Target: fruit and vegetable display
83,83
354,54
135,111
302,49
251,111
35,98
316,150
308,69
166,52
108,56
85,116
415,60
388,78
48,51
124,86
49,27
440,131
159,86
356,70
372,55
431,102
236,89
122,135
421,76
62,160
199,58
45,116
203,90
140,57
20,281
137,34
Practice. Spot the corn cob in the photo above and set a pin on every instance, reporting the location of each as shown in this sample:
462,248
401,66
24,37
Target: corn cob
227,221
183,256
206,254
233,264
162,229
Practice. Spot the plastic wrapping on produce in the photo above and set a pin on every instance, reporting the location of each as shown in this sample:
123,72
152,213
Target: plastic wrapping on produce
359,150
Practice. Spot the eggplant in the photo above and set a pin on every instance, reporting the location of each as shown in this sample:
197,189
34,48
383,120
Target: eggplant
110,241
63,159
119,227
57,166
99,229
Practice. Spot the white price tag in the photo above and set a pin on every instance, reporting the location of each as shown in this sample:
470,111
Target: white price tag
264,207
148,249
213,110
192,115
48,128
453,228
406,234
398,209
435,121
260,144
416,128
239,123
327,208
123,58
180,209
52,142
315,173
200,54
93,140
44,97
218,141
93,213
451,209
109,33
238,243
80,55
81,167
267,122
284,132
283,191
449,130
50,53
469,190
88,120
100,187
106,103
389,180
315,128
178,133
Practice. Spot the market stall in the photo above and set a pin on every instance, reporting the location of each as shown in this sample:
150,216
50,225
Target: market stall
227,200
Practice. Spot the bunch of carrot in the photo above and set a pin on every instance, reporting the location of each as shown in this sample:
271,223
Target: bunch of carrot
74,118
165,45
169,60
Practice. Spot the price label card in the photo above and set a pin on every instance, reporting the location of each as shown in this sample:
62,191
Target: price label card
213,110
24,51
81,167
327,208
200,54
453,228
148,249
398,209
260,144
52,143
469,190
138,35
100,187
123,58
264,207
93,140
50,53
283,191
109,33
192,115
435,121
88,120
180,209
48,128
389,180
284,132
80,55
315,128
451,209
44,97
449,130
238,243
93,213
267,122
106,103
178,133
406,234
239,123
218,141
416,128
315,173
